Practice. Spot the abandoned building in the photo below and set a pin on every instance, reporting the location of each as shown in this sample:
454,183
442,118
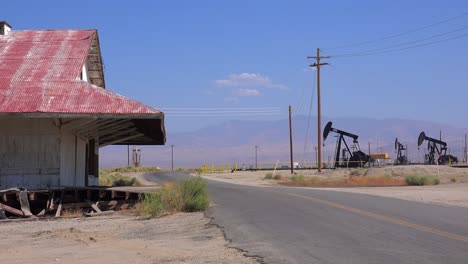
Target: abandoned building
56,112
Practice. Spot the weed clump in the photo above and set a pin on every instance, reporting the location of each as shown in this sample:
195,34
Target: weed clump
268,176
298,177
186,196
419,180
116,179
126,169
152,204
277,176
194,194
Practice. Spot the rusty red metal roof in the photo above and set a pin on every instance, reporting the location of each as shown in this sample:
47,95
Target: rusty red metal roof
40,73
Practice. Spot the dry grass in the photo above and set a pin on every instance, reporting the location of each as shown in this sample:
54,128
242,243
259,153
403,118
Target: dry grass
116,179
185,196
358,181
71,213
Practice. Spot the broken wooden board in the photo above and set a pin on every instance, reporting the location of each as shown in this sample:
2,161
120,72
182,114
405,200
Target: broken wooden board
100,214
11,210
94,206
24,202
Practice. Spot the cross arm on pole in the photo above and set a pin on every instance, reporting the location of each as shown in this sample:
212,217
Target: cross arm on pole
318,57
320,64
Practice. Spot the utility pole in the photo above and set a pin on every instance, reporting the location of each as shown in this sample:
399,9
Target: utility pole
290,140
465,153
317,64
256,160
128,155
316,156
172,157
369,155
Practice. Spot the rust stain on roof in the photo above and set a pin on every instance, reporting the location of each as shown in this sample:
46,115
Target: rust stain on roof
40,73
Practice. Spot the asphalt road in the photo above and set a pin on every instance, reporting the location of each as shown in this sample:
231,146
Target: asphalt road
295,225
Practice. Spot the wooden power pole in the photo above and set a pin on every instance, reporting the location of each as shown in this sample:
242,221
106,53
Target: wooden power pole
290,140
465,152
172,157
317,65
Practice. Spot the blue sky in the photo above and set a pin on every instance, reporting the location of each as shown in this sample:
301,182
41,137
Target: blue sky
244,54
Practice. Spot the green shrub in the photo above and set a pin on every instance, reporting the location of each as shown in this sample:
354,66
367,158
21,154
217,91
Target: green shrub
277,176
419,180
268,175
116,179
124,181
188,196
152,204
194,194
171,198
130,169
299,177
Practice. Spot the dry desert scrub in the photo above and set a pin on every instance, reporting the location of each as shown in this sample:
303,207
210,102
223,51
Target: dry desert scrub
420,180
72,213
186,196
358,181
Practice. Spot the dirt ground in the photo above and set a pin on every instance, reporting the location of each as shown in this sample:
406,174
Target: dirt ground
179,238
453,189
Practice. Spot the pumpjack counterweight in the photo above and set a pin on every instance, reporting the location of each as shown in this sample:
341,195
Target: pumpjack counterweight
345,157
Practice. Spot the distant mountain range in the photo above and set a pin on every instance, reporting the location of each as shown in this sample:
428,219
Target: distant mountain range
233,141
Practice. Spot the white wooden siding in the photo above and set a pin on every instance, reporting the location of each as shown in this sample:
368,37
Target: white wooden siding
35,154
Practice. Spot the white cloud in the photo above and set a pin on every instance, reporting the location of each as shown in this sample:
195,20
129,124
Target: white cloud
249,79
247,92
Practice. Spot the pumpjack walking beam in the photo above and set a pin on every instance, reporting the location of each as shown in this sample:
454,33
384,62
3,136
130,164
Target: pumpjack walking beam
356,158
435,146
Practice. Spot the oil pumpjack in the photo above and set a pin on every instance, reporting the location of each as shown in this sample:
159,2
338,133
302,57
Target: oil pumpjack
357,158
402,154
435,146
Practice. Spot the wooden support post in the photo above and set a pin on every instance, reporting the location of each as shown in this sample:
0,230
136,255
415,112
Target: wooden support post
24,202
59,209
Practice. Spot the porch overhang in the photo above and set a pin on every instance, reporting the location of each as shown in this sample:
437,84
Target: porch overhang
108,129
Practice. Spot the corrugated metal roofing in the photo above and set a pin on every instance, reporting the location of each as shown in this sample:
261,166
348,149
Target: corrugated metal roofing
40,73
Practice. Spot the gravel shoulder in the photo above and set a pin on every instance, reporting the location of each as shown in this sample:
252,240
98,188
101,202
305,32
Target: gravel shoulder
179,238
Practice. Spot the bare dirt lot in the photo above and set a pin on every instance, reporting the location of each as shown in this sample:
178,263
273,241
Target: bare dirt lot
453,189
179,238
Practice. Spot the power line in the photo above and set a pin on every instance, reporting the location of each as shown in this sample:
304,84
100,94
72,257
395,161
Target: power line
404,43
401,49
220,111
308,118
221,115
396,35
207,111
218,108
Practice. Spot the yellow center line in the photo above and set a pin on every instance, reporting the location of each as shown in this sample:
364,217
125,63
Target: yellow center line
382,217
